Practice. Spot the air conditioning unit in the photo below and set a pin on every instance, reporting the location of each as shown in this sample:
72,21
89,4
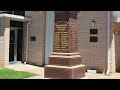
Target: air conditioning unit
91,71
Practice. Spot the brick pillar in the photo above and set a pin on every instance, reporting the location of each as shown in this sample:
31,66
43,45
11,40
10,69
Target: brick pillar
4,41
65,61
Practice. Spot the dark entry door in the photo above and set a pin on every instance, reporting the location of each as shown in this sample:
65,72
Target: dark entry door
19,44
11,46
15,48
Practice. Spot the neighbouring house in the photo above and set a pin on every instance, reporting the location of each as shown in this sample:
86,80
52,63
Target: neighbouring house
27,36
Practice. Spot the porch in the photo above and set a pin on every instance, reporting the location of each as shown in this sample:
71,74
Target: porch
11,31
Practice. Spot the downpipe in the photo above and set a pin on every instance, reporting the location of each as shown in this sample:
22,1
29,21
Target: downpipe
109,24
27,43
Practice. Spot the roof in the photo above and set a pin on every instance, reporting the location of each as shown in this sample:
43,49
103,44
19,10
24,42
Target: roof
15,17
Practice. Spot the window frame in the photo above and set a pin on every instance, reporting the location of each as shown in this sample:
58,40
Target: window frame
93,31
94,39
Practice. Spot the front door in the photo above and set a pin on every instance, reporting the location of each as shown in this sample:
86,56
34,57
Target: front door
19,44
12,45
15,47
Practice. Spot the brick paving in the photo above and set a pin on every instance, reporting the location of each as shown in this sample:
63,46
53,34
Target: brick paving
40,72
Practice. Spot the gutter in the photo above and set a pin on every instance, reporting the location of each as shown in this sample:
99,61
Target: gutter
109,24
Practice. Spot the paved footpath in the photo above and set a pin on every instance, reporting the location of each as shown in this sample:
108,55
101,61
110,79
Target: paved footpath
28,68
40,72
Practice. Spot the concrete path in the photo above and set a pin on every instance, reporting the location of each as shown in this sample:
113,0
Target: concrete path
101,76
28,68
40,72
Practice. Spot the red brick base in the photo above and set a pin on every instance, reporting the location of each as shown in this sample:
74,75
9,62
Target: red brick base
64,72
63,66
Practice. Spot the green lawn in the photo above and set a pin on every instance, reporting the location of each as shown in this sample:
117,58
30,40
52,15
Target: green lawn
12,74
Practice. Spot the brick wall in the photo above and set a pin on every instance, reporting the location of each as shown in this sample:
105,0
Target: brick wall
112,52
115,45
117,52
4,42
94,54
37,29
115,13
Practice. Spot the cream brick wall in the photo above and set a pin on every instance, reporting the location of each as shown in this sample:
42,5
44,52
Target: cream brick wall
116,13
112,54
117,52
112,47
115,45
7,39
1,51
36,28
4,42
94,54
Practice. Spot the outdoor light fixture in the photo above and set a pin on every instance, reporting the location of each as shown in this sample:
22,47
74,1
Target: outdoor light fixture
93,22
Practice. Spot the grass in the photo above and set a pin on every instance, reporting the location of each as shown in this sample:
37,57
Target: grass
6,73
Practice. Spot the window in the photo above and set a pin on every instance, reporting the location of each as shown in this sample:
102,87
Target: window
16,24
93,35
33,38
93,31
93,39
22,13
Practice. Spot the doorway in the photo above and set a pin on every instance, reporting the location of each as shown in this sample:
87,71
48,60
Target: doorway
15,45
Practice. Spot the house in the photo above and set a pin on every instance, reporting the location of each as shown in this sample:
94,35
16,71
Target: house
27,36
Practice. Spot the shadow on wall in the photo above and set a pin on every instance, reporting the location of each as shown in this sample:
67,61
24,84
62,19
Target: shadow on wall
3,27
2,32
